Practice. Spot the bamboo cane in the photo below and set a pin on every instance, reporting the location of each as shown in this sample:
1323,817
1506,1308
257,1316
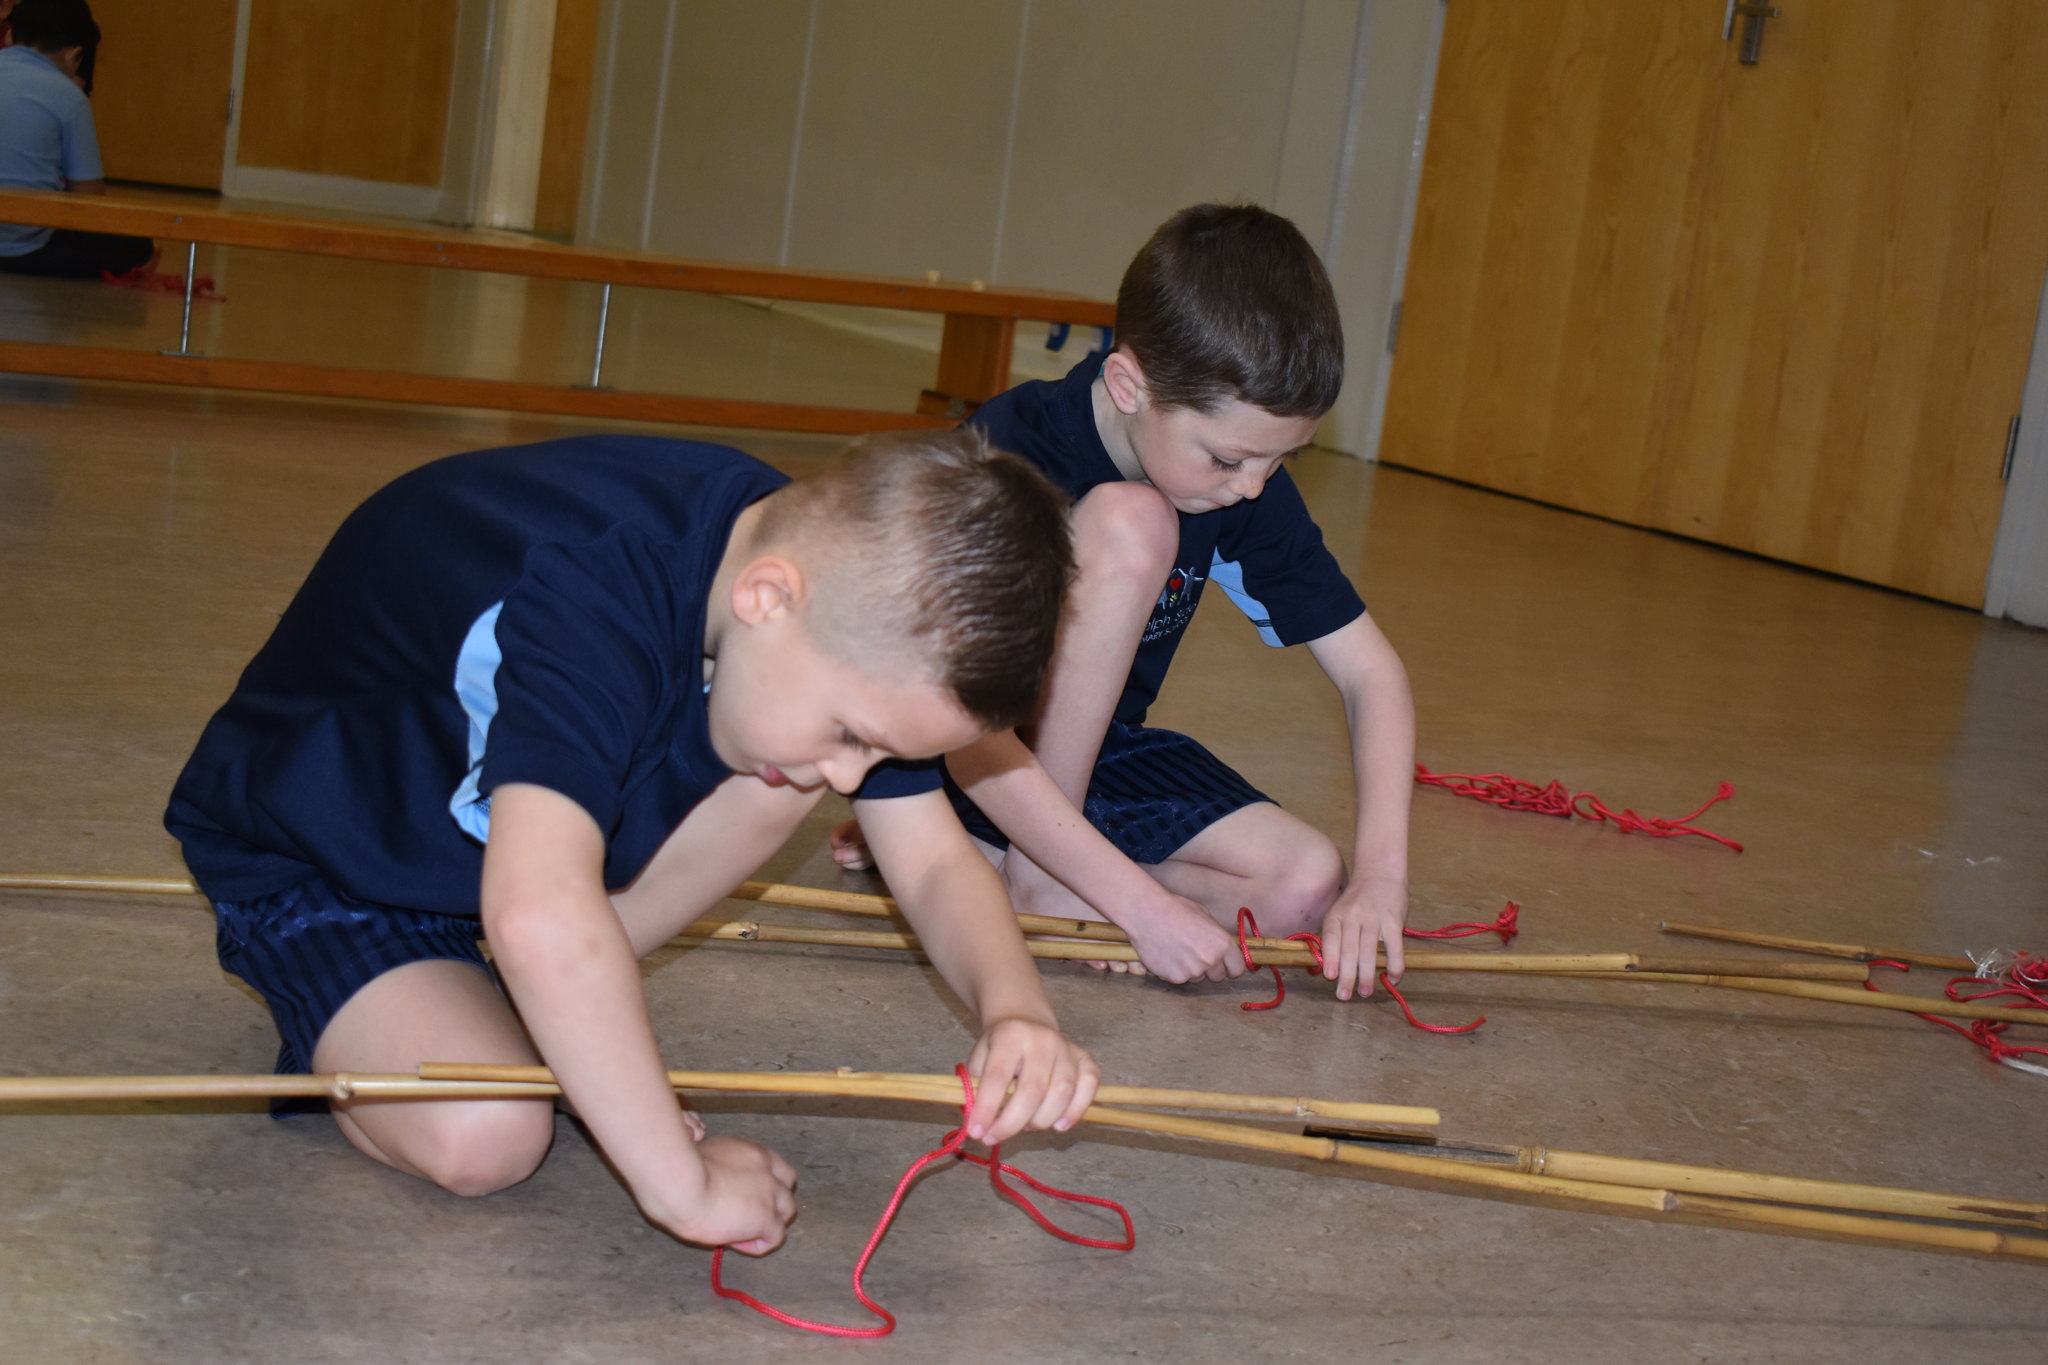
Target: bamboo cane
65,881
1808,945
1813,990
1778,1189
1865,1228
836,1082
1602,1196
1281,954
1284,952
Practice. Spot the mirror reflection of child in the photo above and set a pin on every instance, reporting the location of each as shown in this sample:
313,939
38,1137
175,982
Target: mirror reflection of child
48,141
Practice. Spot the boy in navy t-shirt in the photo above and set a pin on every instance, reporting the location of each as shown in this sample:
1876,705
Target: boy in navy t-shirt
1229,351
568,696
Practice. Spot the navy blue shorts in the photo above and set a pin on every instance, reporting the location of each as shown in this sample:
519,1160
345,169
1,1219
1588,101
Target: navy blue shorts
309,948
1152,791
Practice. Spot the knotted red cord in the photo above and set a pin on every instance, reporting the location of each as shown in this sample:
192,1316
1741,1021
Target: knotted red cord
950,1145
1248,928
2028,973
142,277
1505,924
1512,793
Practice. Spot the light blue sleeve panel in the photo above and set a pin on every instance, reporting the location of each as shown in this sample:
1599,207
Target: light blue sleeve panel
1272,563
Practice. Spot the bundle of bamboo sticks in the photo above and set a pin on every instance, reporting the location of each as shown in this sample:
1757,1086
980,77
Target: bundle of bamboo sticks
1396,1145
1095,941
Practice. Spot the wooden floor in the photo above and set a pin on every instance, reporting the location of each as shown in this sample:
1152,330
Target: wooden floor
1888,753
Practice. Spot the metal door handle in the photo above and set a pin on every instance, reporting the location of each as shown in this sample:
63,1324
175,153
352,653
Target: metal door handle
1752,16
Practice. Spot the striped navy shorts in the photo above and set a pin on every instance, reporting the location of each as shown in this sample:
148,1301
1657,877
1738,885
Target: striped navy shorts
309,948
1152,791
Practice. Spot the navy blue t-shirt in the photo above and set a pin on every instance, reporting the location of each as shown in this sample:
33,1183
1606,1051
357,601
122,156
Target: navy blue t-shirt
533,614
1265,552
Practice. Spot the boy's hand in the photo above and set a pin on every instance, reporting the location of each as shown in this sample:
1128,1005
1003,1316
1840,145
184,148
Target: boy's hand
747,1200
1054,1080
1182,942
1367,915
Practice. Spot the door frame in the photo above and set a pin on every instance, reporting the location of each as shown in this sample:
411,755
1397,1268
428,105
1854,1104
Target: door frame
483,57
2017,584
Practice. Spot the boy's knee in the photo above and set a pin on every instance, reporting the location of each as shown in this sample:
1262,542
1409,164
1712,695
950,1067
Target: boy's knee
483,1147
1300,889
1125,527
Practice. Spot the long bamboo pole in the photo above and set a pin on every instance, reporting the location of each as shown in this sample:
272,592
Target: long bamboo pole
847,1081
1814,990
1599,1195
1779,1189
1809,945
1281,954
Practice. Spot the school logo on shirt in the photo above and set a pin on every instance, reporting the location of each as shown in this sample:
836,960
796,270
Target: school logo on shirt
1176,604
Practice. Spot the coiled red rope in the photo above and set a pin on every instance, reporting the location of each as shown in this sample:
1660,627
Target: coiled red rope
1506,924
950,1145
1248,928
2026,983
1512,793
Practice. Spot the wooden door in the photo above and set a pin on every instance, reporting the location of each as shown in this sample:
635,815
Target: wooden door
1783,307
351,88
161,86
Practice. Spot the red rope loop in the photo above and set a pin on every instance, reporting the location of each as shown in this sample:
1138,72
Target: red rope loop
1512,793
1248,929
950,1145
1506,924
1985,1033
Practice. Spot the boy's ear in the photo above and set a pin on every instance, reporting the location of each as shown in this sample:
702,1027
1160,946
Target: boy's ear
767,587
1125,381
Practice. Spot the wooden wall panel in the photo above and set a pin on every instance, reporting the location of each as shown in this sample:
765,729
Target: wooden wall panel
161,87
355,88
1784,307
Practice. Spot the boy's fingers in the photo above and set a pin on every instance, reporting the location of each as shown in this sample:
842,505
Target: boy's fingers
991,1080
1395,951
1085,1086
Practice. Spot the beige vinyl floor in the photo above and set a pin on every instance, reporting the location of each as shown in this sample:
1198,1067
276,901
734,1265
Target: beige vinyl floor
1891,763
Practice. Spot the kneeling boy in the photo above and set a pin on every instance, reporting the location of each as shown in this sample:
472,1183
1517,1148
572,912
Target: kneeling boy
568,696
1174,445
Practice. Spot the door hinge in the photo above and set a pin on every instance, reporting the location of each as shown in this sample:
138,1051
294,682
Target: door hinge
2012,446
1394,327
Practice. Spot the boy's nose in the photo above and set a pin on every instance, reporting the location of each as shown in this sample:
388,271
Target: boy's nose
844,775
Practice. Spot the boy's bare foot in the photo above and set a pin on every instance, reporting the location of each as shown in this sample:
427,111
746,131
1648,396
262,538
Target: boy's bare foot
849,849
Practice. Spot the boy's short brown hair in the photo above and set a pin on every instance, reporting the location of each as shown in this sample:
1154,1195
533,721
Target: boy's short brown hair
1230,301
936,547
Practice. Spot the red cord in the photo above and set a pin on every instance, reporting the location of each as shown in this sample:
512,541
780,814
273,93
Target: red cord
1512,793
1505,924
1248,928
142,277
1985,1032
950,1145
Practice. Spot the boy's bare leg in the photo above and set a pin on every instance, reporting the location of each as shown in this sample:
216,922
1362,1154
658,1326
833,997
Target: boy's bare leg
1259,857
1287,872
437,1010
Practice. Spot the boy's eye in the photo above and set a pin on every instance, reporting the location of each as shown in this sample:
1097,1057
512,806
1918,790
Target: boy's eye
853,741
1226,466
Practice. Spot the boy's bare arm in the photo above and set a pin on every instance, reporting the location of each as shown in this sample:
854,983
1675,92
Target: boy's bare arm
956,903
570,969
1175,937
1380,712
